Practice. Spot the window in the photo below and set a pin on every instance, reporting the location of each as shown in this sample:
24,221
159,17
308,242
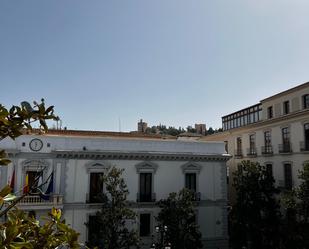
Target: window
146,172
306,101
33,180
285,147
269,169
285,135
191,181
252,144
270,112
238,146
96,187
94,230
286,107
288,182
145,187
267,143
191,172
306,133
144,227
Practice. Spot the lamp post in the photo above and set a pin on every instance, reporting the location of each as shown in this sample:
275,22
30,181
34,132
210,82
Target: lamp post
161,242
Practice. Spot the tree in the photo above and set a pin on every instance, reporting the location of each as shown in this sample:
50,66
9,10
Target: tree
178,214
302,195
297,213
191,129
24,232
255,217
210,131
112,230
20,230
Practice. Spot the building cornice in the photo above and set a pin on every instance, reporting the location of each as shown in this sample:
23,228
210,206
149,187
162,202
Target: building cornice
265,123
110,155
291,90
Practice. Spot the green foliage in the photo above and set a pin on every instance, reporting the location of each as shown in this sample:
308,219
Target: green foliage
112,232
21,231
178,214
302,194
297,218
24,232
15,119
255,217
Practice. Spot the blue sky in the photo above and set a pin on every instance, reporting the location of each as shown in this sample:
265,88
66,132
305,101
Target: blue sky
174,62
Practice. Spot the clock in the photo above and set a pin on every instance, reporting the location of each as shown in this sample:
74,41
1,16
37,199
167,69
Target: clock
36,144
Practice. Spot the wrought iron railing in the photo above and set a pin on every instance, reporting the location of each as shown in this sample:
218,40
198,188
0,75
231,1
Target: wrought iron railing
285,147
267,150
238,153
251,151
304,145
140,197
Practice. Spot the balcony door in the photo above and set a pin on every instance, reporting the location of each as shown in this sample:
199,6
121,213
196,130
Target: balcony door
306,128
191,181
96,187
145,187
32,181
286,140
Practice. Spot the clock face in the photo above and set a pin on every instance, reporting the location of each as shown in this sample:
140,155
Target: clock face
36,144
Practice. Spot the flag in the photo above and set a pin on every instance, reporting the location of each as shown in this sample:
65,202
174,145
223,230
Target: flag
12,183
40,180
26,187
49,189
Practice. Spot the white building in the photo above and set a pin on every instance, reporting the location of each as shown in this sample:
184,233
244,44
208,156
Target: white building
153,169
274,132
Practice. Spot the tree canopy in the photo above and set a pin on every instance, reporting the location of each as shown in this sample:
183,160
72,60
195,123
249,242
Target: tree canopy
112,230
20,230
178,214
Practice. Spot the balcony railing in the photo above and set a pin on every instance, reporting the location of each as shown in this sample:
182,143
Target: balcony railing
285,148
238,153
282,184
36,200
94,198
304,146
267,150
146,197
251,151
197,196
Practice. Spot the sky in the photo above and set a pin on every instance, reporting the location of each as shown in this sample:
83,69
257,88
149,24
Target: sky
106,64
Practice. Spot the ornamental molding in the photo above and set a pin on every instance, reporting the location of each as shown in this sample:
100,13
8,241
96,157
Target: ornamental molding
191,167
146,167
35,165
102,155
97,166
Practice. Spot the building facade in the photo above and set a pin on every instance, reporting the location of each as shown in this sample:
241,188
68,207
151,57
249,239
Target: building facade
274,132
152,169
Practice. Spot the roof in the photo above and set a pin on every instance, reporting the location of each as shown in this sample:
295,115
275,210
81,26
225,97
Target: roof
293,89
89,133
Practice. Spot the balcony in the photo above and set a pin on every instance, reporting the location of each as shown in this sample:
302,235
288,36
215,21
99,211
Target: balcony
285,147
36,202
304,146
267,150
285,185
146,197
197,196
238,153
94,198
251,152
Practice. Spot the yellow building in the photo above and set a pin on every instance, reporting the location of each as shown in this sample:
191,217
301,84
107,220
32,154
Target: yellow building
274,132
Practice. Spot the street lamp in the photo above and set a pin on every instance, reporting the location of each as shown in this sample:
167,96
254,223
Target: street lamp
168,246
161,237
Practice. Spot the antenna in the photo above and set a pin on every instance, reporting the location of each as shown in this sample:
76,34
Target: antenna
119,124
